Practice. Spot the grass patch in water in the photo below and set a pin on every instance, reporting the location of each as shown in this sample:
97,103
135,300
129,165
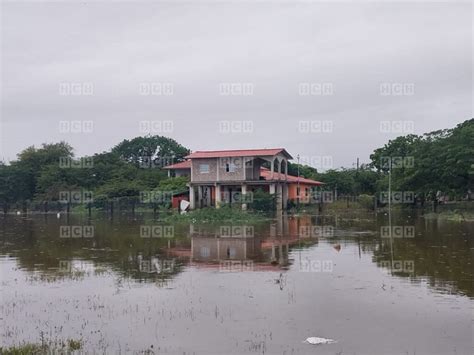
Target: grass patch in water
454,216
223,214
67,347
25,349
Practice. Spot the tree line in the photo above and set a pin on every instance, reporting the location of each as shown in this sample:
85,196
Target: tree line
428,164
439,163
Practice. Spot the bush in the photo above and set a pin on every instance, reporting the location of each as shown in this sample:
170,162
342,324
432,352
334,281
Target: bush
366,201
262,201
225,213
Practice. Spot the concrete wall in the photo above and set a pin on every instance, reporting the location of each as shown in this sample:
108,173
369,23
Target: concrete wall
292,192
182,172
237,175
217,170
196,175
224,248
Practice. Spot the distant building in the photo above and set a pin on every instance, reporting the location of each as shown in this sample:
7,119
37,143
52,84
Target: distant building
229,176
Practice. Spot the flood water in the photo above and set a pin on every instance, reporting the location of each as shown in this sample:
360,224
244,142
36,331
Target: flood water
131,285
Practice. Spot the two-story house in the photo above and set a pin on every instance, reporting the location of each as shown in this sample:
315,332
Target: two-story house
231,176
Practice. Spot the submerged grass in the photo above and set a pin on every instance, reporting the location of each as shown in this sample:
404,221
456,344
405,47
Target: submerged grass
454,216
25,349
215,215
67,347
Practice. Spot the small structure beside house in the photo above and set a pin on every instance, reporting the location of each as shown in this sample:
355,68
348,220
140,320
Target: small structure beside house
177,197
179,169
229,176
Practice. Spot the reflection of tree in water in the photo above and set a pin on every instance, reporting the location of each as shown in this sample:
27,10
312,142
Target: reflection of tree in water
441,252
116,247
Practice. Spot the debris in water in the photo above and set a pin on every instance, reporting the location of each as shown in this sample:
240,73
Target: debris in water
318,341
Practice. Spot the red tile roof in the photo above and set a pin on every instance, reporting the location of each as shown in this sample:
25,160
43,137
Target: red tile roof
237,153
266,173
182,165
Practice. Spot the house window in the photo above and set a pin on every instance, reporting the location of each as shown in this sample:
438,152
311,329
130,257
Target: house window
297,191
231,252
307,191
205,252
204,168
230,167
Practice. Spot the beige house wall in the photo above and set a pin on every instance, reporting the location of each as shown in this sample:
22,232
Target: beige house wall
197,176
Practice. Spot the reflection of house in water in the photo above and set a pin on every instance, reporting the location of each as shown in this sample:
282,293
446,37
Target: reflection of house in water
225,243
232,248
267,247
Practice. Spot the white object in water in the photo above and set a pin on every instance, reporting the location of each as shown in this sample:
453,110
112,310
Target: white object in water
18,213
183,205
58,215
318,341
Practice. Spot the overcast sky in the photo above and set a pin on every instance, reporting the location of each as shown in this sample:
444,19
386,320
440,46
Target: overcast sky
361,53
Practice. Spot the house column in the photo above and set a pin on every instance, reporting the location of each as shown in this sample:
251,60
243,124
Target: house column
273,257
279,170
272,189
272,166
192,200
279,194
285,196
244,196
199,196
218,196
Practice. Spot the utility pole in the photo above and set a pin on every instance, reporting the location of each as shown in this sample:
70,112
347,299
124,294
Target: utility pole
298,182
390,210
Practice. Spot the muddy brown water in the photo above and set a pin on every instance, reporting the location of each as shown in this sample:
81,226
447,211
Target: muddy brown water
131,285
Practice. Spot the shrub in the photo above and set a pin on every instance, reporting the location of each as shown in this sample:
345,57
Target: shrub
262,201
367,201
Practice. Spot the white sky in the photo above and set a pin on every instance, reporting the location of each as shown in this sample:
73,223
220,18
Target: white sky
198,45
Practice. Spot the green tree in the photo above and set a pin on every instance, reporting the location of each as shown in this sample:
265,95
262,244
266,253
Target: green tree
441,160
141,150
